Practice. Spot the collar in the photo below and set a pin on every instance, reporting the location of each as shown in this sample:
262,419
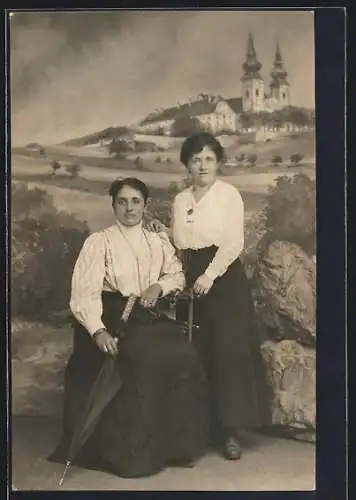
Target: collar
211,188
130,229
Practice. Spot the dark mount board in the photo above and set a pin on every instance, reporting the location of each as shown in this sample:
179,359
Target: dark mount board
330,70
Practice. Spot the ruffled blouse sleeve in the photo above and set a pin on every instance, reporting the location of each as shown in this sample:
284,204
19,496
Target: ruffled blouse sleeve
87,283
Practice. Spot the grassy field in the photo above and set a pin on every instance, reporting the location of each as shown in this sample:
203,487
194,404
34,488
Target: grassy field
87,195
285,147
265,151
252,179
253,201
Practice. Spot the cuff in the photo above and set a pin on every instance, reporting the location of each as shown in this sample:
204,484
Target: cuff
166,289
94,326
211,274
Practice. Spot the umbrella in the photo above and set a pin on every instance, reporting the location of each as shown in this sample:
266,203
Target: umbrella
105,387
185,312
190,314
186,258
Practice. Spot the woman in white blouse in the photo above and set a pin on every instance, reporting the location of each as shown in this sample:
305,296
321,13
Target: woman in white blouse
158,415
208,228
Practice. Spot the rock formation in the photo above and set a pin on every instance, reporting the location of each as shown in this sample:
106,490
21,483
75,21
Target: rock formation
285,295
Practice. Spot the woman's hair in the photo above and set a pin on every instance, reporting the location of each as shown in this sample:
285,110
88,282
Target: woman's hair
195,143
131,182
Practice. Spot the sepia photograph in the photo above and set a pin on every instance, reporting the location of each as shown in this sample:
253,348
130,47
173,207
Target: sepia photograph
163,250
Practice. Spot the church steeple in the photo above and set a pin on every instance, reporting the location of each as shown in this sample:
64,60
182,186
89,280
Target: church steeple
251,66
252,83
278,73
279,82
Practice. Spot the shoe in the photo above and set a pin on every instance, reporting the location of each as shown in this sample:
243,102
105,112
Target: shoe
184,463
231,448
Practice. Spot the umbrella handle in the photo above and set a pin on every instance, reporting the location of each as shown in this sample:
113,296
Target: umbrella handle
190,315
61,480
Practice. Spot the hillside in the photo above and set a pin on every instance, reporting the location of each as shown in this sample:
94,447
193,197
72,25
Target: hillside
93,144
161,153
105,135
285,147
304,144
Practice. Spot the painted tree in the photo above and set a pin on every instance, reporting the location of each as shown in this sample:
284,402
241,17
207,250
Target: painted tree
73,170
186,125
139,163
45,246
119,147
240,158
252,160
55,166
290,212
295,159
277,160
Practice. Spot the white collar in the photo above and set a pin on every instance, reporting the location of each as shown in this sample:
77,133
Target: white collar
211,188
130,230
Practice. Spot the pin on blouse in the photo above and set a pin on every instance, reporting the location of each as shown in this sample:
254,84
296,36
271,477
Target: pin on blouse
200,224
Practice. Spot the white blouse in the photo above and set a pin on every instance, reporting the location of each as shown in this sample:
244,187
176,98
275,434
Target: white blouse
125,259
216,219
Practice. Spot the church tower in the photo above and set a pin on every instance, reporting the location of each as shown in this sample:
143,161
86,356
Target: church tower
279,83
252,84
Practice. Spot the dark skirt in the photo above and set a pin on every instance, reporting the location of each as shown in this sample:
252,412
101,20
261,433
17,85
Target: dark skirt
160,412
228,342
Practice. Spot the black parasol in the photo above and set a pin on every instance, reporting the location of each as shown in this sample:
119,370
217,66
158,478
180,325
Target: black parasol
106,386
191,314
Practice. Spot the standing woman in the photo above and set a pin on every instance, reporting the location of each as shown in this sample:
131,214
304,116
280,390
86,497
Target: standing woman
208,228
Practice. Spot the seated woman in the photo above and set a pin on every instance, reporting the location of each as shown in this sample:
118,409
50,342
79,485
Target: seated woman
158,415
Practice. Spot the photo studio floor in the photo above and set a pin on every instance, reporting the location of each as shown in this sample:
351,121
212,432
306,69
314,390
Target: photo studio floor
268,463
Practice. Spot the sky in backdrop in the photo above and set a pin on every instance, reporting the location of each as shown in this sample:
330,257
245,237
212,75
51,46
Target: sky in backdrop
79,72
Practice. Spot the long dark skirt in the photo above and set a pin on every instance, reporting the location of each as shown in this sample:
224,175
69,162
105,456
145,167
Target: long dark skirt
228,342
159,414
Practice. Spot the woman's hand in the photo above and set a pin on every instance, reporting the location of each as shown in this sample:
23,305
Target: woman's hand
155,226
106,343
202,285
150,296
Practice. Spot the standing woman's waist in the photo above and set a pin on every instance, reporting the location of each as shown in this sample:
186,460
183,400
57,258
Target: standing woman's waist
195,262
200,254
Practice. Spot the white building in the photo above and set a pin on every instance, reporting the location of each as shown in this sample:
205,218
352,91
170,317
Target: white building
223,115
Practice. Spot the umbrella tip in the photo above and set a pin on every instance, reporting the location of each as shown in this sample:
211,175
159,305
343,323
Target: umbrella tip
61,480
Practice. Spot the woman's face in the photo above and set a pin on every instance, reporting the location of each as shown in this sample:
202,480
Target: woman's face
129,206
203,167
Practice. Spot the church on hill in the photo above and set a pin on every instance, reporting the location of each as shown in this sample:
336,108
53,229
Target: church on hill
254,96
219,114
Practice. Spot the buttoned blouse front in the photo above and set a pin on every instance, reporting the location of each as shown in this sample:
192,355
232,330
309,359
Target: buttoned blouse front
216,219
117,259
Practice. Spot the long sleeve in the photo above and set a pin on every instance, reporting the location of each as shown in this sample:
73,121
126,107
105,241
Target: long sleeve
87,283
232,241
172,276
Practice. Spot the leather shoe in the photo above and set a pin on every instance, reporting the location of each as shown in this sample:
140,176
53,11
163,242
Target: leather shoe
231,448
185,464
